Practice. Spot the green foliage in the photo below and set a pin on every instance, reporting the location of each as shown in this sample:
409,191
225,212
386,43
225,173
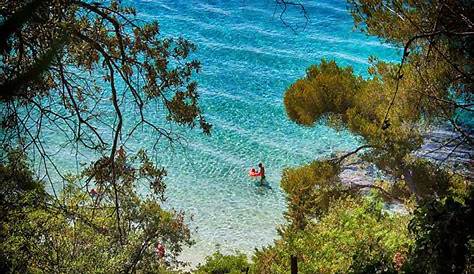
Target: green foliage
218,263
17,183
396,20
391,109
80,69
438,42
20,194
79,37
424,179
72,55
330,229
443,233
309,190
428,179
354,234
360,106
78,232
327,88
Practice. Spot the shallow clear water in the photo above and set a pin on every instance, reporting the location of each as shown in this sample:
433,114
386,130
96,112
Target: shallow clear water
249,57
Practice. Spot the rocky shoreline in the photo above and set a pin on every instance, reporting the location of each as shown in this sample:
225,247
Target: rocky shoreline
442,146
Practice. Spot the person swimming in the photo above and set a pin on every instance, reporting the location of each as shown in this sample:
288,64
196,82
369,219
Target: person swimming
261,173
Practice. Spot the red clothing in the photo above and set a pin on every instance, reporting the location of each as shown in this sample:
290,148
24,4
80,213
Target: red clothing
160,250
93,192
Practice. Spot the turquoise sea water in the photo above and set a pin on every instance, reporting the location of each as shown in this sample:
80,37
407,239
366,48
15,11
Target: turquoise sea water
249,57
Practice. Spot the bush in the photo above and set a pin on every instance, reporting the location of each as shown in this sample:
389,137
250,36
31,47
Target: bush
355,236
218,263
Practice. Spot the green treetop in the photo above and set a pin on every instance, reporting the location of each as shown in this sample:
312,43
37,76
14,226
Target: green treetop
392,110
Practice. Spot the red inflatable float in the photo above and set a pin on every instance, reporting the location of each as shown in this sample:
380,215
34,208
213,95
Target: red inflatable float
253,173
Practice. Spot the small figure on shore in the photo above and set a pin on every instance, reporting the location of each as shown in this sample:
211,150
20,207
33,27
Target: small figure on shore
160,250
93,193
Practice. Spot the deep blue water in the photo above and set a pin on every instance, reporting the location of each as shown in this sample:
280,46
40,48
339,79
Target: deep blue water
249,57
